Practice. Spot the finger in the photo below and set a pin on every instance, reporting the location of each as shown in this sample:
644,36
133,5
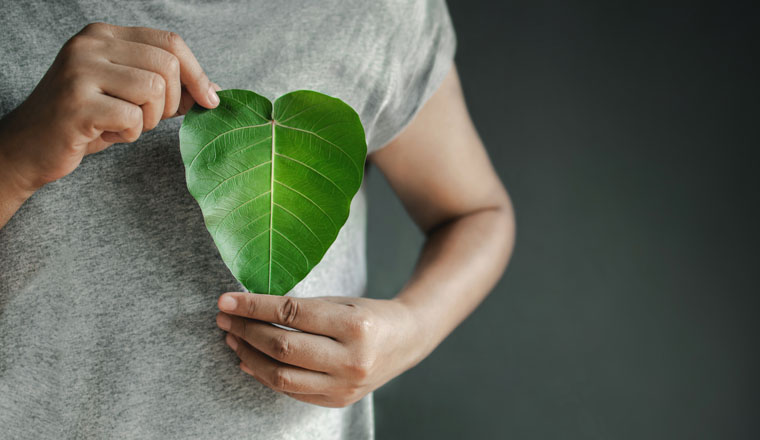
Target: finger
191,73
279,376
307,314
153,59
301,349
186,102
141,87
100,144
314,399
111,137
105,113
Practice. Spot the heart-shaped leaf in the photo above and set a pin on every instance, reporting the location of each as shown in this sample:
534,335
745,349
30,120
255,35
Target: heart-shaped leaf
274,182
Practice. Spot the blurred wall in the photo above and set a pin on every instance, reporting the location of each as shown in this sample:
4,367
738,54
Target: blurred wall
627,135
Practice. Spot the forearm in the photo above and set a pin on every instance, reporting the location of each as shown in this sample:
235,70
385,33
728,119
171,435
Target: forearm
13,193
460,263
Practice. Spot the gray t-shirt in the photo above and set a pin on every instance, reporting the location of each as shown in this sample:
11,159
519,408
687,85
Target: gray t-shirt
109,278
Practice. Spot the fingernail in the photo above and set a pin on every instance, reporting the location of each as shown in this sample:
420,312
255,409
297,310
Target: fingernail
231,341
224,322
212,96
228,303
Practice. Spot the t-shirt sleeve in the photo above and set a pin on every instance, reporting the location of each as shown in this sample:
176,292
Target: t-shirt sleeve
424,45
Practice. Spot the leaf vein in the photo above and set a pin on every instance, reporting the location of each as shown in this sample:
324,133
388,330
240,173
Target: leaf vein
252,145
232,177
310,201
285,256
293,244
313,169
286,271
299,113
302,222
263,266
232,263
324,140
220,119
219,225
217,137
250,108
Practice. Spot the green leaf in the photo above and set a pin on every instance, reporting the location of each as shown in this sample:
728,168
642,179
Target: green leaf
274,182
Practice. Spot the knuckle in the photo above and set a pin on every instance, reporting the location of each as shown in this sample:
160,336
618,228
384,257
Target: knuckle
281,378
250,305
151,124
94,28
157,86
173,41
289,311
132,115
281,347
77,44
89,130
131,135
360,325
172,66
360,366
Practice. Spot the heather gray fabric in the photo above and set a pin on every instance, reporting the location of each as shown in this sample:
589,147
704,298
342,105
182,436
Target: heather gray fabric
108,277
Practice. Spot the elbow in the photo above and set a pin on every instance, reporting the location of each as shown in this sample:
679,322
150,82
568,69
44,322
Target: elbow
505,226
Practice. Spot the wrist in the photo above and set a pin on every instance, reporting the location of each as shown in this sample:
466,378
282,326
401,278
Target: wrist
424,331
13,180
13,187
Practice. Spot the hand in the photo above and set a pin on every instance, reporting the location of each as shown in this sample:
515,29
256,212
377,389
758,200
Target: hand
107,84
347,347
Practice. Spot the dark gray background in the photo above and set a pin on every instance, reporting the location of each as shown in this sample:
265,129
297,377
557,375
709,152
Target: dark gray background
627,137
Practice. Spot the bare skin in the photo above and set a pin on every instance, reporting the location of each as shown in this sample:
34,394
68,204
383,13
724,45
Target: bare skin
110,83
348,347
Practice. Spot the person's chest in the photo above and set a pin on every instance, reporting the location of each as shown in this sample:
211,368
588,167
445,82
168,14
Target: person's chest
337,47
129,203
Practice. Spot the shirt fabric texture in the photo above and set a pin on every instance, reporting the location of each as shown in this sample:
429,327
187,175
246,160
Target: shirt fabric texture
108,277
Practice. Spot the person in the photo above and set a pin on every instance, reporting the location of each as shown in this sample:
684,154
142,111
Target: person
113,298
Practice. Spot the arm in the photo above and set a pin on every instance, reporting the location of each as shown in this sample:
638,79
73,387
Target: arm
13,192
440,170
348,347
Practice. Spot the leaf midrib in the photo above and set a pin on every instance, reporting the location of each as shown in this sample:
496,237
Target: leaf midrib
277,117
271,208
